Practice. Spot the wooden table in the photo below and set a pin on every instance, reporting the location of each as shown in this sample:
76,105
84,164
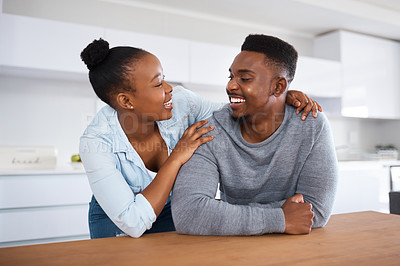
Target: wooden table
364,238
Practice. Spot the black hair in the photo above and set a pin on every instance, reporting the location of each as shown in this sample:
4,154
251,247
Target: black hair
110,70
277,52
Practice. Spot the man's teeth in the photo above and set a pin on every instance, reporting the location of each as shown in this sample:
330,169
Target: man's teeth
237,100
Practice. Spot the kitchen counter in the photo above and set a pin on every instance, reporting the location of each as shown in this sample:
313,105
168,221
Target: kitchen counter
73,168
363,238
366,164
371,161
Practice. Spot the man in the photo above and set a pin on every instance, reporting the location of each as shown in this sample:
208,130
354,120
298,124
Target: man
276,174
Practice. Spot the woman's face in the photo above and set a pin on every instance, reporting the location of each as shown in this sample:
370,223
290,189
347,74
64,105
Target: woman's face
152,99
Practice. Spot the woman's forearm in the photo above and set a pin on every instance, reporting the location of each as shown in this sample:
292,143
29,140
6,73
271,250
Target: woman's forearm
158,191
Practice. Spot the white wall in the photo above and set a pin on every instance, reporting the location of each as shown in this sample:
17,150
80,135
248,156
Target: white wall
45,112
390,132
354,136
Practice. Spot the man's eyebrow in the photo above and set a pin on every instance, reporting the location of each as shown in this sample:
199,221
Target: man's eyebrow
246,71
243,71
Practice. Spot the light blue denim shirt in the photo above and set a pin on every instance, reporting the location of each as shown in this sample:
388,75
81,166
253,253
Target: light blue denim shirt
116,172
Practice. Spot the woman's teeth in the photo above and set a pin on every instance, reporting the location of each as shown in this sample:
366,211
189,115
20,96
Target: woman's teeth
168,104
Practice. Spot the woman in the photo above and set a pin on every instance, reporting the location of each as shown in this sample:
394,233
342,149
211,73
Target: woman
135,146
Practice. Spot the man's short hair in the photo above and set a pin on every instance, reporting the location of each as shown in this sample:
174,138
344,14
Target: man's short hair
277,52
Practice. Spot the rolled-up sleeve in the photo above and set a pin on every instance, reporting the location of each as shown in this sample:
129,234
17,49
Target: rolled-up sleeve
133,214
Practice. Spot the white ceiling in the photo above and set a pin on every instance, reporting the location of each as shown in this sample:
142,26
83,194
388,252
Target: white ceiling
303,17
389,4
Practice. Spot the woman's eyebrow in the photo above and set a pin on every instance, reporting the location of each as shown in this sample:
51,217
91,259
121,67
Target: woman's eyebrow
156,76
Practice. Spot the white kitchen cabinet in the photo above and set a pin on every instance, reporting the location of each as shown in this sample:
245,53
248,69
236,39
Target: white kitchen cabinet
30,44
318,77
44,44
210,63
32,190
46,207
370,67
173,53
51,224
362,186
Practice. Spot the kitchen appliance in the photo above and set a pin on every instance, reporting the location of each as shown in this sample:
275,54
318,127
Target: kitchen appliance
394,177
394,194
27,158
394,200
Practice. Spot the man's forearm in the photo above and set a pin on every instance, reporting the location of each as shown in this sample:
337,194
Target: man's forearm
269,205
206,216
196,211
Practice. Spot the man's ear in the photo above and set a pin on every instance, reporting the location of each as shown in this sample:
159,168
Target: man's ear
280,86
125,101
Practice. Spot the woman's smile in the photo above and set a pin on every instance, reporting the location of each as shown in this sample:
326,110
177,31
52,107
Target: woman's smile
168,105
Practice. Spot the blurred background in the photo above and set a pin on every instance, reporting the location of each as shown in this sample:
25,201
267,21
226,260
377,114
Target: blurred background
349,61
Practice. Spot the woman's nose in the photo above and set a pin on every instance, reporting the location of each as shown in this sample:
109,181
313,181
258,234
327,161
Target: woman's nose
168,87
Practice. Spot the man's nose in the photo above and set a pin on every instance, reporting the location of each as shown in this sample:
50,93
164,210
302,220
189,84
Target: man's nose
232,85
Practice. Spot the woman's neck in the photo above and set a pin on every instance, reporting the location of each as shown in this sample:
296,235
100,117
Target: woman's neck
136,129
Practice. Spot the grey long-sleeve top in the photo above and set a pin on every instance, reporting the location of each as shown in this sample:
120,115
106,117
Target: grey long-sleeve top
255,178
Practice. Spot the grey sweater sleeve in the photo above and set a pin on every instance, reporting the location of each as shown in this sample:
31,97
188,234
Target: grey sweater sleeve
318,177
275,204
196,211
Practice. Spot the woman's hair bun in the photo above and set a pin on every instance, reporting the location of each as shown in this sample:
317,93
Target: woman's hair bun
95,53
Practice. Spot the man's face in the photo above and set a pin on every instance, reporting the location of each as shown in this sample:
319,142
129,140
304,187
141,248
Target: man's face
251,85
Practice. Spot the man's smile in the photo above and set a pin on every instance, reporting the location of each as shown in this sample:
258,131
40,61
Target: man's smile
236,100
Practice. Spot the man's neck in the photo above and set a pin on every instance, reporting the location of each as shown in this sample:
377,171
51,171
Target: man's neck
258,128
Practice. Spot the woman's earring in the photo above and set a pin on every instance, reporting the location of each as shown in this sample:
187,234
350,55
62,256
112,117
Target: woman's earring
131,107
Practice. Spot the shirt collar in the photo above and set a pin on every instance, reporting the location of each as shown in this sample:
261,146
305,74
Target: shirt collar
121,143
